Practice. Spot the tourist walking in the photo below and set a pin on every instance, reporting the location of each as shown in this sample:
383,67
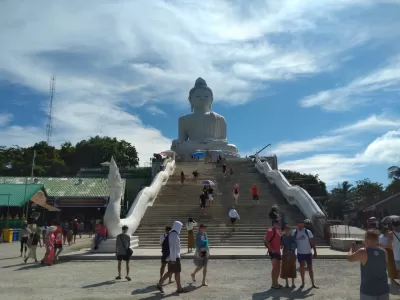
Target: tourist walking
171,250
272,241
182,178
202,254
75,227
374,281
394,240
58,242
224,169
384,242
210,192
305,244
33,242
255,194
233,215
195,175
190,229
101,234
273,214
23,238
48,258
163,261
65,229
203,202
288,243
236,193
123,251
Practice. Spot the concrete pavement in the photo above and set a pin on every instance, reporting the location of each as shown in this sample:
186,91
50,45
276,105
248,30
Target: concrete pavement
227,279
216,253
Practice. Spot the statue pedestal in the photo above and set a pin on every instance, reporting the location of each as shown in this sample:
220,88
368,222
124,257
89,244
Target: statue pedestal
108,246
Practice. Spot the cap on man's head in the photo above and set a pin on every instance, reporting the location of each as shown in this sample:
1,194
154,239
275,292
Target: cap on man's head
124,227
300,222
203,226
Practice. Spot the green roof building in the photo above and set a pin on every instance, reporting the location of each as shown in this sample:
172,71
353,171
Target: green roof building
17,195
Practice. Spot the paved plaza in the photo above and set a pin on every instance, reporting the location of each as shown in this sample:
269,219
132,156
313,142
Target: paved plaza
228,279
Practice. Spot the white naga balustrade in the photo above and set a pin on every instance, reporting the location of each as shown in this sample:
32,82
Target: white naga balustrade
145,198
294,194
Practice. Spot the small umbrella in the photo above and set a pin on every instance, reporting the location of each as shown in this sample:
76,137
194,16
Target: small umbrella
208,182
390,219
198,154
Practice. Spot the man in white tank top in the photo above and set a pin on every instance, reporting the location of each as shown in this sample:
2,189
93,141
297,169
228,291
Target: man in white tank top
394,239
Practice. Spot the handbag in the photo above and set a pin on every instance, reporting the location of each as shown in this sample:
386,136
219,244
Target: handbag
129,251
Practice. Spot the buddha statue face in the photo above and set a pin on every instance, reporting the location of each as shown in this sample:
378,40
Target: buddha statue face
201,99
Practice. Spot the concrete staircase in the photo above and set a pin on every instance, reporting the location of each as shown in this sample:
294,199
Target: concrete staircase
179,202
254,219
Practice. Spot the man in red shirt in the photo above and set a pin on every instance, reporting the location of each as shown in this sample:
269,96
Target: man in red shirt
272,241
255,194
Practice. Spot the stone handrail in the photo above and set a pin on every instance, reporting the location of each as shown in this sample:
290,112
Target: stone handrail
295,195
138,208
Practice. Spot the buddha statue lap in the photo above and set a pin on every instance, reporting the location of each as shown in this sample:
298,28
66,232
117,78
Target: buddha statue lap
203,129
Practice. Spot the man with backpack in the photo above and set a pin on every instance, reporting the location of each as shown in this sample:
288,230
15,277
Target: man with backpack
305,244
171,253
272,241
163,261
123,251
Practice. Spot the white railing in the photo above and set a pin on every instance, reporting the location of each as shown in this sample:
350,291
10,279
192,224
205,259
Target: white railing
138,208
294,194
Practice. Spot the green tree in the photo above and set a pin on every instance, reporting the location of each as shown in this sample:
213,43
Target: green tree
368,192
393,187
91,153
66,161
394,172
341,198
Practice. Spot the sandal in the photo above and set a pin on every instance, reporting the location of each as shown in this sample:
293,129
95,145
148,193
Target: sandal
118,278
159,287
278,287
181,291
204,284
128,278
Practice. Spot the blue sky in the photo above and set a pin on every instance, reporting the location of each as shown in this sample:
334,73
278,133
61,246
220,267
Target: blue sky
319,80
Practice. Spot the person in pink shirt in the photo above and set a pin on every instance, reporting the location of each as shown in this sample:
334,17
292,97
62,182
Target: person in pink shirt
272,241
101,234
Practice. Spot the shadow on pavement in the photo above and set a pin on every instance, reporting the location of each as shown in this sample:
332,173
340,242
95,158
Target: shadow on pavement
189,288
5,258
394,290
103,283
148,289
285,293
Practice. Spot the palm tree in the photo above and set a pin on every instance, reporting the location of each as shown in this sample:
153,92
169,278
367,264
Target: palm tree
341,199
394,172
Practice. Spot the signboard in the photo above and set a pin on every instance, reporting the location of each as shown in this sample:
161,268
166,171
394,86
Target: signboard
80,202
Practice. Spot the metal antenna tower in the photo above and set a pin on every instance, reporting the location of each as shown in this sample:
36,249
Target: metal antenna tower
49,125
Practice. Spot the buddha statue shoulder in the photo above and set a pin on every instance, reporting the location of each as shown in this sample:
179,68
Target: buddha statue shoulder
202,129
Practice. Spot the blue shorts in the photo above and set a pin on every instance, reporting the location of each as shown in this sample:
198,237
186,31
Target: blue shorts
305,257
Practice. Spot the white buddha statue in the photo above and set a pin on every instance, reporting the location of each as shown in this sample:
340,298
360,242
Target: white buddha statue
203,129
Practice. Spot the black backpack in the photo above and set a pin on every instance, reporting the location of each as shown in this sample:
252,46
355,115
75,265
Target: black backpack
165,245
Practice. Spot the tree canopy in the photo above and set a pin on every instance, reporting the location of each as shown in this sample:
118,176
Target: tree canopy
68,159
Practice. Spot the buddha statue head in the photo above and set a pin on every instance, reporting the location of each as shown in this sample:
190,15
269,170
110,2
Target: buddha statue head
200,96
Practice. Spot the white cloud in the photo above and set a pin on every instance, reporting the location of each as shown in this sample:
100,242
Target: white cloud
358,91
111,55
5,118
155,111
333,168
371,124
316,144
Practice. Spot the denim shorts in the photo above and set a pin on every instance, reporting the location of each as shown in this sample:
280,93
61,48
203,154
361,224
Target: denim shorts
305,257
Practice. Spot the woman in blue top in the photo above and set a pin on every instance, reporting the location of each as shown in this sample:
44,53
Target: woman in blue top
288,243
202,253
